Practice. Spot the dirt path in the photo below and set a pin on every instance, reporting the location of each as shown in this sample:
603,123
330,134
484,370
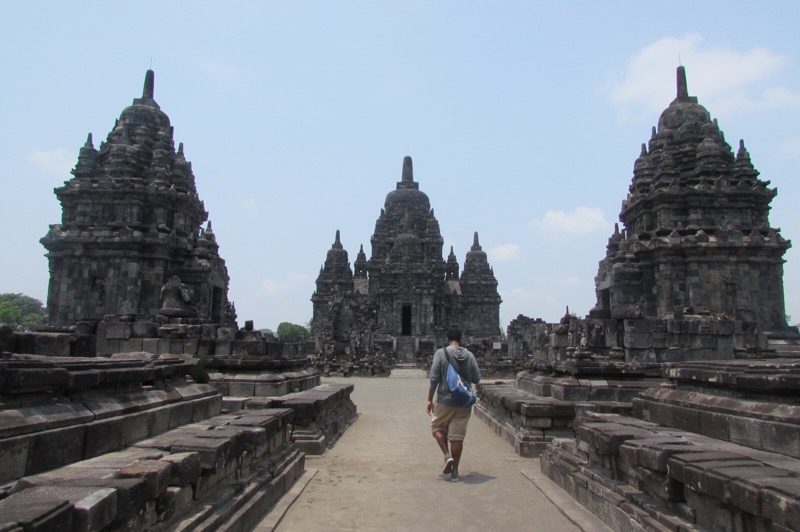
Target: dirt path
385,474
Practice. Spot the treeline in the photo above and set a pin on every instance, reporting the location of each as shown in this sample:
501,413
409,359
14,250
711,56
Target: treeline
20,311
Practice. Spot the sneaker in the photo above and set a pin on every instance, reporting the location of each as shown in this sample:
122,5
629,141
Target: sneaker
449,462
454,477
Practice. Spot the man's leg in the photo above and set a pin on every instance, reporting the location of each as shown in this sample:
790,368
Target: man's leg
441,439
455,448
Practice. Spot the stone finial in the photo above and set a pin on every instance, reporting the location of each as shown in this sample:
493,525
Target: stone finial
644,150
653,133
180,148
683,89
408,169
89,143
337,244
616,228
149,85
475,243
742,150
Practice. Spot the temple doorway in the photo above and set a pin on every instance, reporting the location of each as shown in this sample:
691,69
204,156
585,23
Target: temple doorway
406,327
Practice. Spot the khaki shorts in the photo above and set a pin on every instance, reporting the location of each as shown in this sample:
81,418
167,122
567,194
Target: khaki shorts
451,420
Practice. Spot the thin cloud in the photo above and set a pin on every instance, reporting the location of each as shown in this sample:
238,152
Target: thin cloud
271,287
57,161
790,148
249,204
728,80
504,253
580,222
570,281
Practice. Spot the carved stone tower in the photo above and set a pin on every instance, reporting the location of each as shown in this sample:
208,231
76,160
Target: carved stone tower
131,221
696,229
405,295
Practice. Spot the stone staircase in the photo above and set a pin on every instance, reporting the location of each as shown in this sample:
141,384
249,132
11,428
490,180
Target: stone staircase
406,349
785,343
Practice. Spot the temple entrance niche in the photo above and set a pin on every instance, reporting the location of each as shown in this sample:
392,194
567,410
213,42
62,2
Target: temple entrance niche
406,325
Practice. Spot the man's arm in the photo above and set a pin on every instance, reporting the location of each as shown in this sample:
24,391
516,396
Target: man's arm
429,406
435,377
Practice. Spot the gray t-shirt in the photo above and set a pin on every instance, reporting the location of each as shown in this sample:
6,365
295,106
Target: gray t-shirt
465,363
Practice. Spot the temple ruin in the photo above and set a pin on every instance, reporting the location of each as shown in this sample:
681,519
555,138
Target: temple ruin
131,221
667,407
404,298
696,230
143,406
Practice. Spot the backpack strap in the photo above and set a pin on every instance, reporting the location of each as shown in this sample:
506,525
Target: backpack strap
451,360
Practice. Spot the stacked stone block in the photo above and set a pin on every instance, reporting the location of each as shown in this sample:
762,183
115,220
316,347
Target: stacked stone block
321,414
718,449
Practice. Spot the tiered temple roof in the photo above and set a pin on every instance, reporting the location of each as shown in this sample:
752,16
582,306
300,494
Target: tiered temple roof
131,220
696,229
406,288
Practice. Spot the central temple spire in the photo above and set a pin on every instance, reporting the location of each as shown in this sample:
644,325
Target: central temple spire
683,89
149,85
408,169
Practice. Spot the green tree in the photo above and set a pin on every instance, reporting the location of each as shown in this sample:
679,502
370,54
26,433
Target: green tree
291,332
21,311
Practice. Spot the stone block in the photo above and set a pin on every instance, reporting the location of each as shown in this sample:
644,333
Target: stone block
101,405
174,502
163,346
176,346
159,420
62,415
34,380
96,510
190,346
782,438
180,414
144,329
92,508
242,388
782,504
118,331
55,345
131,345
245,348
135,427
745,431
185,470
13,458
150,345
155,473
714,425
206,407
213,452
103,436
37,512
54,448
14,422
80,380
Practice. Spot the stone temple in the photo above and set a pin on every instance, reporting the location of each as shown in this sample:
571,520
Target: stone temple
132,221
697,234
405,296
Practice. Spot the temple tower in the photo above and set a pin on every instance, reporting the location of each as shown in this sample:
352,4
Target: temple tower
406,295
696,230
131,221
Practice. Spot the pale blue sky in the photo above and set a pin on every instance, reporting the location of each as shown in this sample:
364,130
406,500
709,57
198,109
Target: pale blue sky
523,120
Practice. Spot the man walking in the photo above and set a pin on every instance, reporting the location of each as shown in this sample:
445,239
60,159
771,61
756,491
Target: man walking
449,423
